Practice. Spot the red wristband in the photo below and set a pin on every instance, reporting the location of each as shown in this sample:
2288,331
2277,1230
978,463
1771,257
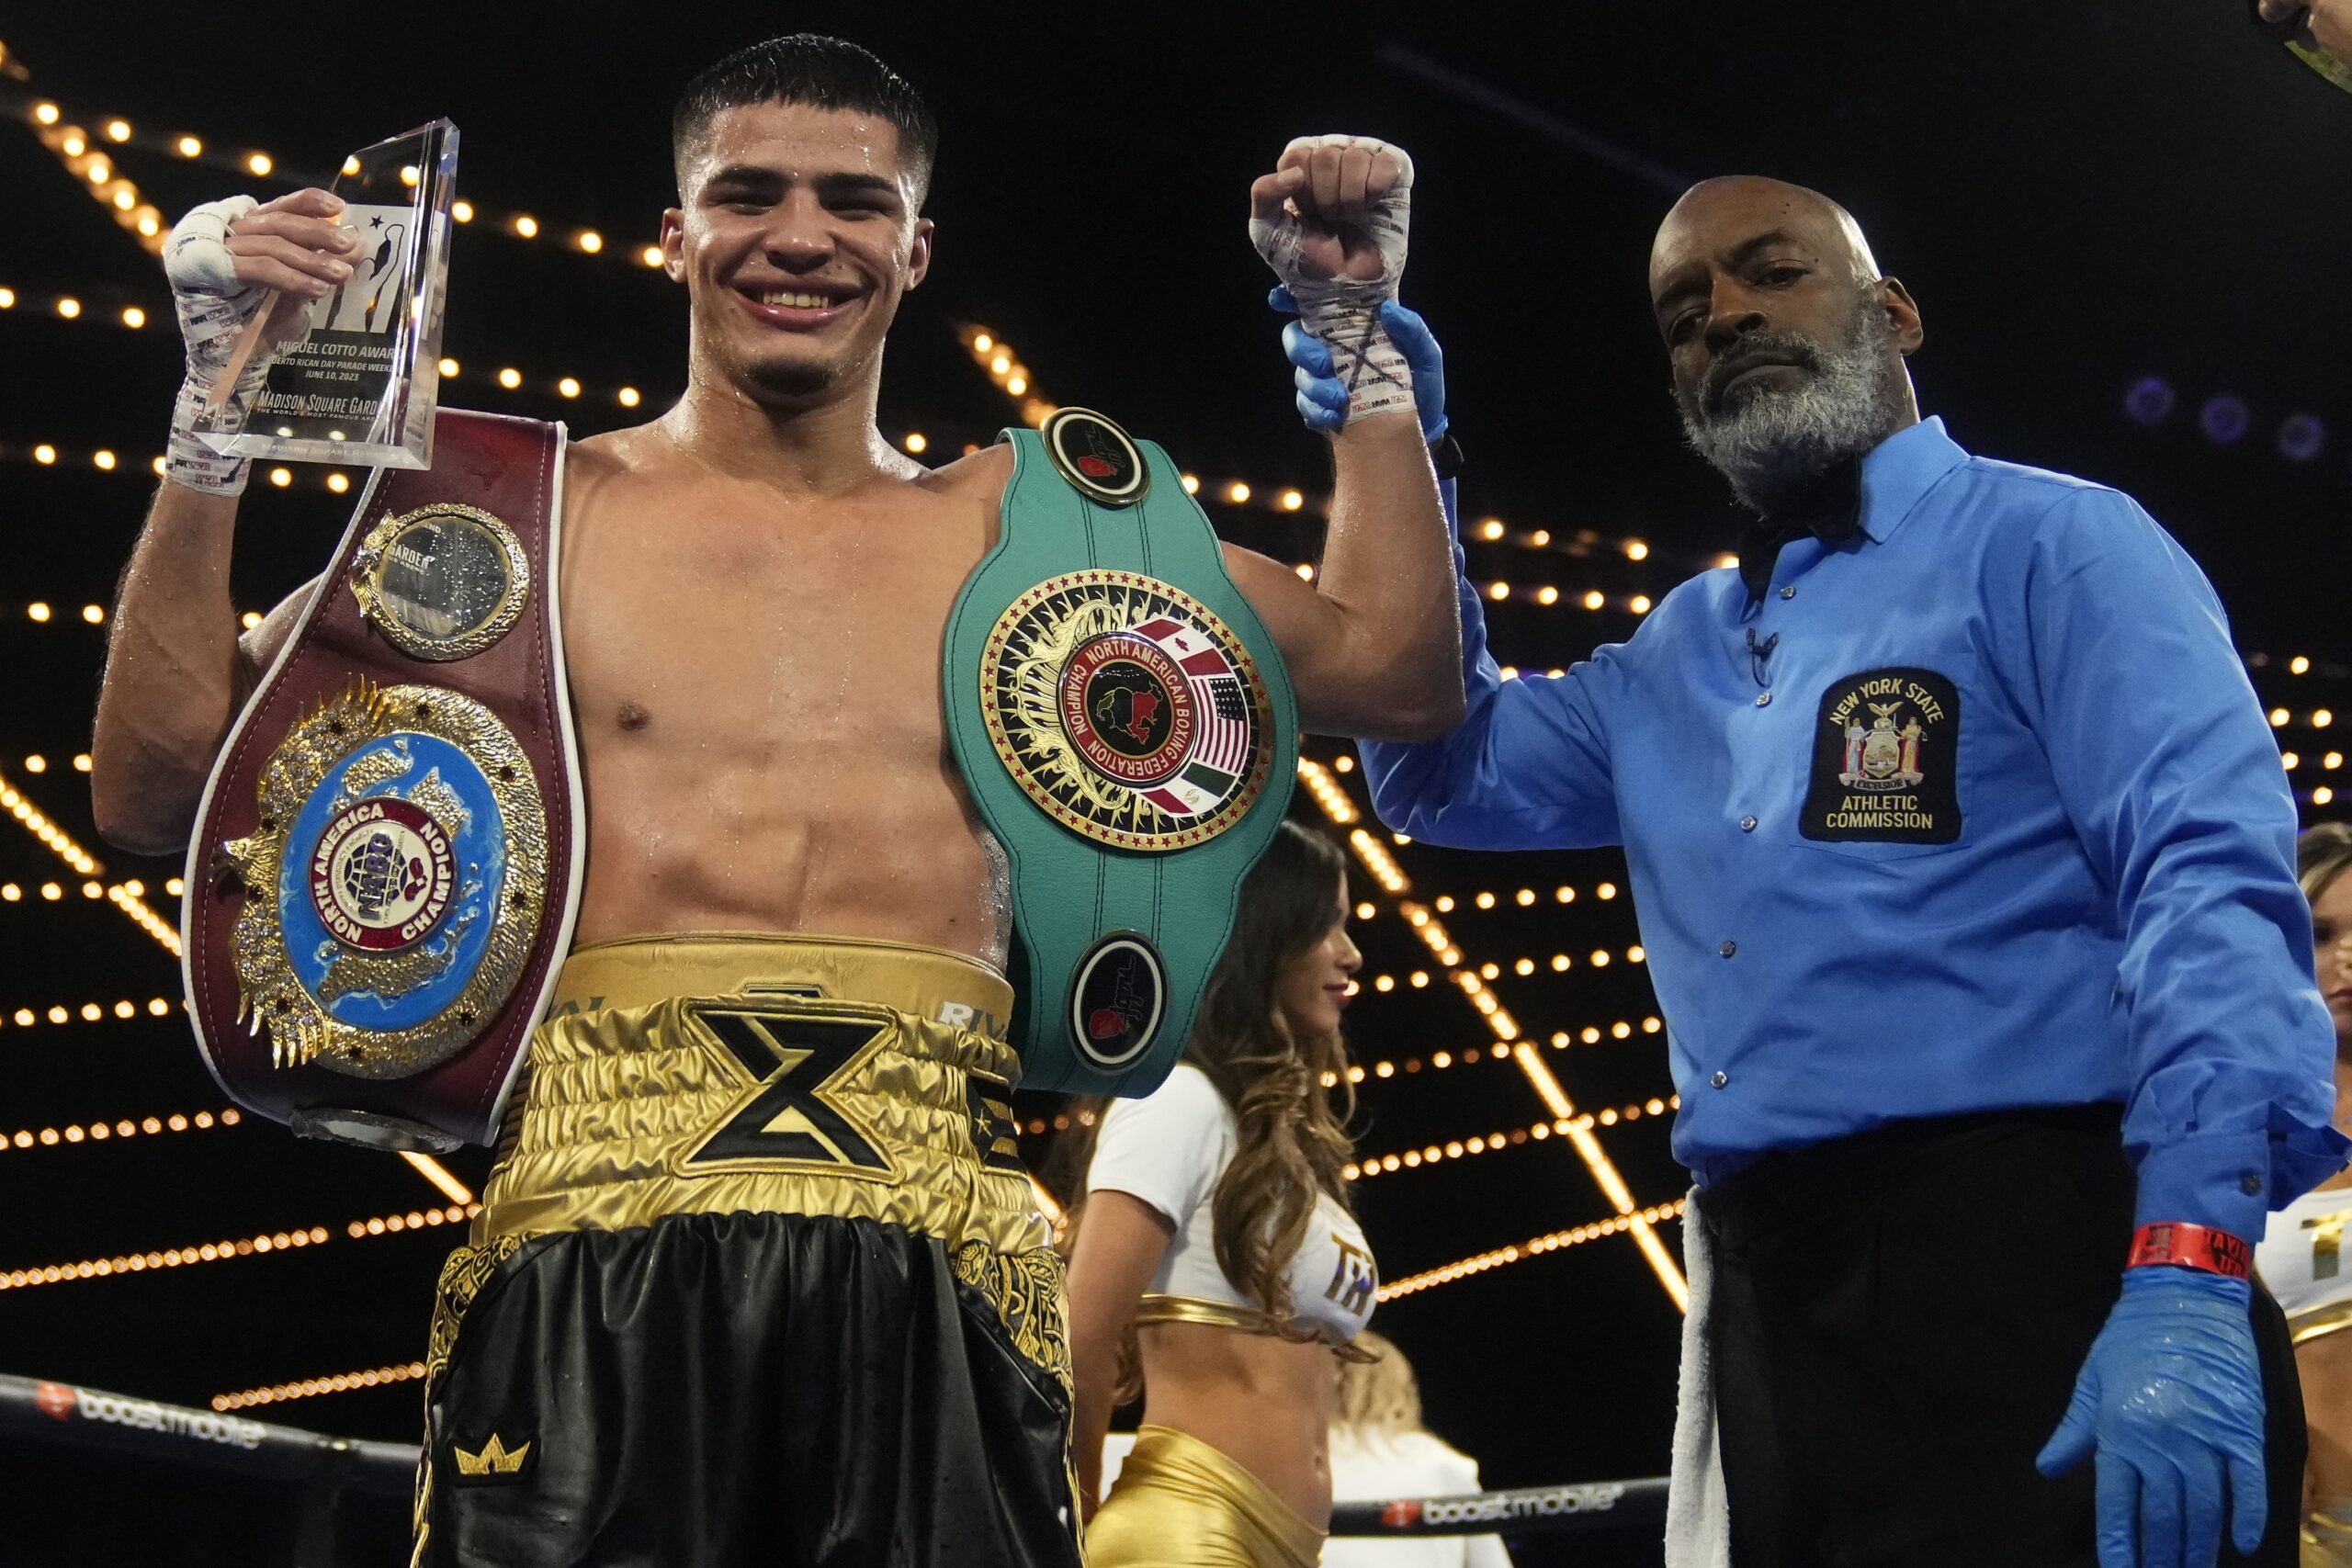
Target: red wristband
2190,1247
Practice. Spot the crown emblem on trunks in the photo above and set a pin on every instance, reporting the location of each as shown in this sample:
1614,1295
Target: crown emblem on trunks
493,1458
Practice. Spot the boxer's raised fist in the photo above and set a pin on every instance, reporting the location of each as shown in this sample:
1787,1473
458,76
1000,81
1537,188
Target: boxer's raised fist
1334,210
1332,221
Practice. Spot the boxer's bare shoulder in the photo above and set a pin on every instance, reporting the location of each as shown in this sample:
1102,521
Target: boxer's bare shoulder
755,675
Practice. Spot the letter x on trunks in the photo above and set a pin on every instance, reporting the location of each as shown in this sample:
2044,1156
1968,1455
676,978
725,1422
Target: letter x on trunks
794,1059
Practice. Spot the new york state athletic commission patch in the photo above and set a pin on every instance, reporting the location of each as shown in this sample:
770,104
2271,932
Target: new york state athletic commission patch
1126,710
1885,761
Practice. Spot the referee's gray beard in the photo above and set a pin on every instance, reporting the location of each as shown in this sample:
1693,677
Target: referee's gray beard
1771,444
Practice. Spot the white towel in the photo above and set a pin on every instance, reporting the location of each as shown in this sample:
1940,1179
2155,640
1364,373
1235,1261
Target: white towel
1698,1518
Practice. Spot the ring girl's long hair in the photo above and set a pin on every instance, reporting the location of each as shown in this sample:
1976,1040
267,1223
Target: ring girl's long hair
1292,1123
2322,853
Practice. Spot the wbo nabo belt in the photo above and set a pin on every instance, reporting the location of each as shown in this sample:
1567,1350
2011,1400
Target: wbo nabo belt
1118,713
386,868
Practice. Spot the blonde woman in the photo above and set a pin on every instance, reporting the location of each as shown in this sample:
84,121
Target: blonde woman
2301,1257
1217,1227
1380,1449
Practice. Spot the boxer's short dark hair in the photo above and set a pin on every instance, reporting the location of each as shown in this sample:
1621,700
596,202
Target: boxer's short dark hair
823,72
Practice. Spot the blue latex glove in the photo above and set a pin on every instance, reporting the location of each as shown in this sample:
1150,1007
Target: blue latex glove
2171,1398
1323,402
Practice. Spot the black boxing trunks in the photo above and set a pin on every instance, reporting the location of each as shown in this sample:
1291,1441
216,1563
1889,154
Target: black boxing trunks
759,1279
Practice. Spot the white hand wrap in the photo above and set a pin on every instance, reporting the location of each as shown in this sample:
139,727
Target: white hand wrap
214,307
1344,312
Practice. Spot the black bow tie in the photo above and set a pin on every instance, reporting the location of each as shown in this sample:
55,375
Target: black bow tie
1829,508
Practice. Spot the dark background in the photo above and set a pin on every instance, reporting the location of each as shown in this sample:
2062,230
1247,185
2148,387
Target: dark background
2079,196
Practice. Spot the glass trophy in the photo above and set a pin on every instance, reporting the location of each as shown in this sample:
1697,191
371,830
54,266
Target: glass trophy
359,387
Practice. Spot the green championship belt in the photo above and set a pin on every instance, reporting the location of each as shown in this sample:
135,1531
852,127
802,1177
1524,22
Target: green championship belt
1117,711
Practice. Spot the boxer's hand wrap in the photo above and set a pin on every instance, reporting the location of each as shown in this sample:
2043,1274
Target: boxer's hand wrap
1344,312
2170,1398
1323,401
214,307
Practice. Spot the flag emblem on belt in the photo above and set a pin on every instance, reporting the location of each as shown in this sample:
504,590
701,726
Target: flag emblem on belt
1126,710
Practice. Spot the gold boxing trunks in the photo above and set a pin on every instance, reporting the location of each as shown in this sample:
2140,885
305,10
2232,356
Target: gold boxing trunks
760,1213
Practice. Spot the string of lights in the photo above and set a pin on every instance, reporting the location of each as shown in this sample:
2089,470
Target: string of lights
433,1171
1462,1148
1558,964
39,763
91,163
1382,865
309,1388
51,892
125,1127
1640,1222
88,1012
65,136
171,1258
121,896
1439,1061
52,836
2298,664
259,1244
416,1219
136,317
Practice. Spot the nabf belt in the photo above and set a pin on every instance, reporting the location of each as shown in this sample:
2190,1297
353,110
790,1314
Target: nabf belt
1118,712
387,862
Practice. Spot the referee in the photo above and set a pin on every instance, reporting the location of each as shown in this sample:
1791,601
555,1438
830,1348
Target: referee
1965,866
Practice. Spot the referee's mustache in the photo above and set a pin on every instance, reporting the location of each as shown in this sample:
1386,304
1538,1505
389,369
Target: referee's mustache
1755,348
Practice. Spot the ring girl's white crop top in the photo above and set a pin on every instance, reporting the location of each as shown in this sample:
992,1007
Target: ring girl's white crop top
1169,1149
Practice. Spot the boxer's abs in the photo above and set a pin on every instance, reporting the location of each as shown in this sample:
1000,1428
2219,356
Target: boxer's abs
763,738
694,842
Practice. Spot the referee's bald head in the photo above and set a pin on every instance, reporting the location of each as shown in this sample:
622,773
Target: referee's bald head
1737,207
1785,343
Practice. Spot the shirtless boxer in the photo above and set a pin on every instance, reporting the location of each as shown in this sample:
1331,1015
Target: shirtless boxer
772,1362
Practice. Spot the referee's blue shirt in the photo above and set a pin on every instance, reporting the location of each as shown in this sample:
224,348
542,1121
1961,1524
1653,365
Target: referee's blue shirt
1995,822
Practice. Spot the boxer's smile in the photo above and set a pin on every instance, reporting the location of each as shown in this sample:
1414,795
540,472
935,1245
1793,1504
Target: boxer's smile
797,304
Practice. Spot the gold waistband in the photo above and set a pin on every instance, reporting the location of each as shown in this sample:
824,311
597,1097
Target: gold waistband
1181,1500
789,1075
923,982
1151,1309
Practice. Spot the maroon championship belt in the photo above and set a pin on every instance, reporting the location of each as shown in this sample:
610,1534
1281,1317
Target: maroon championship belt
386,866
